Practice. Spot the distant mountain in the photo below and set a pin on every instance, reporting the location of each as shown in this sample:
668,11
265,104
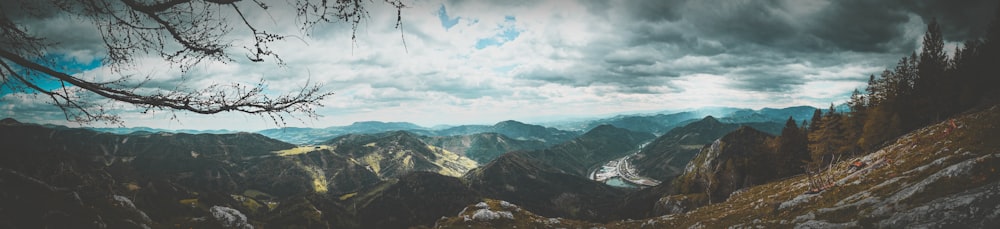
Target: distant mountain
666,156
798,113
156,130
655,124
482,147
393,154
299,135
663,122
510,128
514,129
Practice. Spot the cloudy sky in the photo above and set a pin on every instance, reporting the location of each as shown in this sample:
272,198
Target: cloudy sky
480,62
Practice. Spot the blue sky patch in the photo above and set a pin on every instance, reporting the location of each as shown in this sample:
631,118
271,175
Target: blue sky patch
63,64
446,21
508,32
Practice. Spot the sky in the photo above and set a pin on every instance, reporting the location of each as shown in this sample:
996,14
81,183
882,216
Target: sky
481,62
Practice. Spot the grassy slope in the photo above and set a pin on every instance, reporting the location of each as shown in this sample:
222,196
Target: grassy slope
924,178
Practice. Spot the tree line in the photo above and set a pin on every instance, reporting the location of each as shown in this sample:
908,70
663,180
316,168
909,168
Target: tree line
923,88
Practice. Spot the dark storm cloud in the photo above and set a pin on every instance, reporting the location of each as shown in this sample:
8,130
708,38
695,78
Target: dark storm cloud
739,21
43,20
960,20
760,39
655,10
766,79
858,25
847,25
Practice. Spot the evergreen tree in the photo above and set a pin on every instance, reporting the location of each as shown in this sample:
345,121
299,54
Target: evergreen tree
827,139
792,150
816,120
874,92
933,91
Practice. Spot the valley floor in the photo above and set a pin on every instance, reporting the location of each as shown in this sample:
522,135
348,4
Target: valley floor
622,169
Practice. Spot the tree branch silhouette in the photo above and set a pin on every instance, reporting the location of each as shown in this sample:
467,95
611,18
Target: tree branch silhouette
181,32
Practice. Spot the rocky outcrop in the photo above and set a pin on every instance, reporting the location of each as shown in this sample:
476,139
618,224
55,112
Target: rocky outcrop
735,161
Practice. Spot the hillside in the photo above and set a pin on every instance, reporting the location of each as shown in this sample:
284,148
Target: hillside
541,188
665,157
742,158
393,154
553,181
482,147
936,176
580,155
85,178
417,198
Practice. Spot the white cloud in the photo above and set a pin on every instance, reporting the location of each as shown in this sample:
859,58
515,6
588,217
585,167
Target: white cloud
567,59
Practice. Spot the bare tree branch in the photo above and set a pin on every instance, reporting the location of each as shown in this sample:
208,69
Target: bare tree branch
183,33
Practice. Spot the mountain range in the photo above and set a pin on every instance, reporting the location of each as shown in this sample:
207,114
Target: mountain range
942,175
551,133
513,129
74,177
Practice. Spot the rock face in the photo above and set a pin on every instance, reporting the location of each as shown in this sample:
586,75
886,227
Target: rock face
666,157
735,161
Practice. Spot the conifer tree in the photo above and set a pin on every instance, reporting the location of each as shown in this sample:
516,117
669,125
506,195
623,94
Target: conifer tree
792,150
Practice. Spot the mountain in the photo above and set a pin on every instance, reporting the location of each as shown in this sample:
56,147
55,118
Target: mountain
737,160
514,129
666,156
798,113
541,188
655,124
393,154
663,122
596,147
89,179
552,181
510,128
417,198
155,130
937,176
300,135
482,147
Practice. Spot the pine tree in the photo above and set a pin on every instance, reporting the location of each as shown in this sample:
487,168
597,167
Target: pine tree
792,150
933,90
829,138
874,92
816,120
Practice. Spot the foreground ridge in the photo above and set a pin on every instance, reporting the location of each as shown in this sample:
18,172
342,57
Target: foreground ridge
942,175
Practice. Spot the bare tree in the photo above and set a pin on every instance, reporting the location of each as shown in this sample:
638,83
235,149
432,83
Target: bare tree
182,33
